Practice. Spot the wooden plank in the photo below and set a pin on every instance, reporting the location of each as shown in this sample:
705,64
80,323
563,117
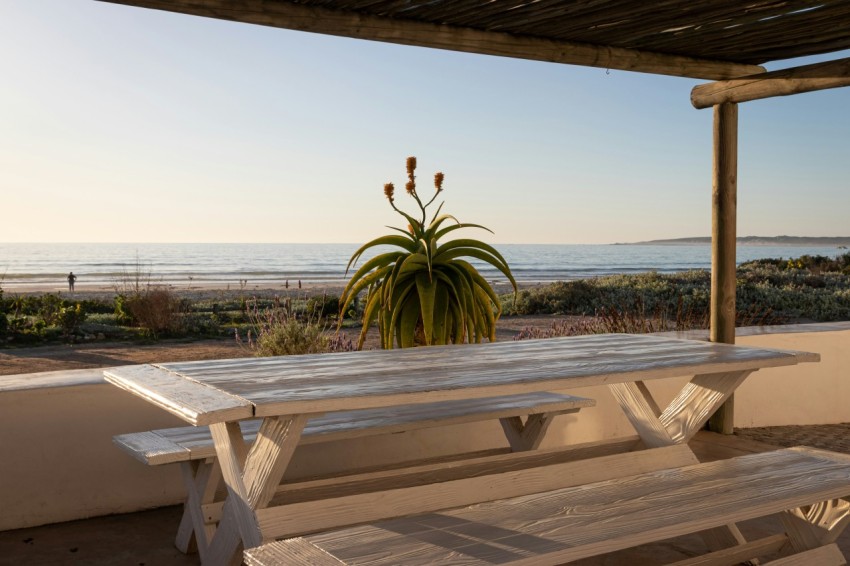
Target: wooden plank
153,449
806,78
737,554
829,555
690,409
293,552
239,518
434,471
191,443
359,380
289,15
311,516
724,211
642,412
573,523
190,400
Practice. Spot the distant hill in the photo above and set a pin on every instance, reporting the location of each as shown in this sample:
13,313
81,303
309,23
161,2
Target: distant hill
754,241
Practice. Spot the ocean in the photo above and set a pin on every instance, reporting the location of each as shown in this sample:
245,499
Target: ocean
45,266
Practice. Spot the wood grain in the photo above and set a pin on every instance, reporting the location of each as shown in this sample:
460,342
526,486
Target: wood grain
180,444
806,78
191,401
572,523
322,514
359,380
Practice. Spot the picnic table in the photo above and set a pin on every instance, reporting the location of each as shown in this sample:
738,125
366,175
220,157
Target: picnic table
288,391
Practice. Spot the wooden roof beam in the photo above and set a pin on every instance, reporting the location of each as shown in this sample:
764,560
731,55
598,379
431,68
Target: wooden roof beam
808,78
284,14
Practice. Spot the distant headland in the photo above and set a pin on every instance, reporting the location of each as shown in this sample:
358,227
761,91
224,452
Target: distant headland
838,241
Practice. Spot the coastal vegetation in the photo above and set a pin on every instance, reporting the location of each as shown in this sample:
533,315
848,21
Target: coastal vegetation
769,291
422,293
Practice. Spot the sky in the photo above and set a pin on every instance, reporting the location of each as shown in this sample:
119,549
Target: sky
120,124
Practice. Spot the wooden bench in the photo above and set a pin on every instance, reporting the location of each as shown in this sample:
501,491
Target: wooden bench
194,448
553,526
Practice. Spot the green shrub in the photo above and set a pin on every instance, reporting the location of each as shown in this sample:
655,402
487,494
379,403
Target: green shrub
157,310
279,331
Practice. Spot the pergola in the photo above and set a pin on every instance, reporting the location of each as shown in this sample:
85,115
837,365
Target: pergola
724,41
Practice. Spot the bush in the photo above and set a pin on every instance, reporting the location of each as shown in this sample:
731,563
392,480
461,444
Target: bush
279,331
156,309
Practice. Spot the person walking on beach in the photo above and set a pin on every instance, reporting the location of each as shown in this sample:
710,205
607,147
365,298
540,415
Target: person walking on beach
71,280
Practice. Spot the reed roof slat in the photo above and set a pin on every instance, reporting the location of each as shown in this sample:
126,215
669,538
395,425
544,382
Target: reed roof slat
724,31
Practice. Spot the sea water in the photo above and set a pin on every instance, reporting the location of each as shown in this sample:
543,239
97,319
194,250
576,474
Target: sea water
186,265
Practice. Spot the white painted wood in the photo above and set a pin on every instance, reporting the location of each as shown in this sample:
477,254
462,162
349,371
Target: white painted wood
153,448
239,523
292,553
688,412
642,411
829,555
359,380
322,514
269,456
200,479
193,402
433,472
738,554
572,523
191,443
529,434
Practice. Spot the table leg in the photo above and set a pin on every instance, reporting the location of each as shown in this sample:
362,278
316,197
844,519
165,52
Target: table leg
201,479
686,414
816,525
528,435
251,477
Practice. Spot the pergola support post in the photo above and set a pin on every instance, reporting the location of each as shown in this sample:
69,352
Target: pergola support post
724,202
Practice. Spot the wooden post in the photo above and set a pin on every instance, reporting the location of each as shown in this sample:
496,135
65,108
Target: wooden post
724,204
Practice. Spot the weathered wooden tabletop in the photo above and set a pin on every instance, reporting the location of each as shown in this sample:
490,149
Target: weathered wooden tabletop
226,390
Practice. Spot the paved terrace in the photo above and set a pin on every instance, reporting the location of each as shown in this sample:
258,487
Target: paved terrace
145,538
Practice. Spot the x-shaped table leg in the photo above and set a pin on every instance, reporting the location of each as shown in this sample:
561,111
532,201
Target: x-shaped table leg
686,414
252,476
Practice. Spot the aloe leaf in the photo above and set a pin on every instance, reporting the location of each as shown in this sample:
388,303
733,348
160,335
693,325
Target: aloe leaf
484,301
400,241
435,224
376,262
373,307
480,282
426,289
454,227
409,318
470,243
441,309
483,256
360,285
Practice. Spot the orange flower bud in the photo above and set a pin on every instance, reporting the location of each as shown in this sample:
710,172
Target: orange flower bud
389,189
438,181
410,187
411,166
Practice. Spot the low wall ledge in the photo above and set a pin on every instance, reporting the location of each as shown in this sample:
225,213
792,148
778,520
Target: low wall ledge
94,376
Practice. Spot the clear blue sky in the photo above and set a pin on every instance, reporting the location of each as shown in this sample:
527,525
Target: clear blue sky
124,124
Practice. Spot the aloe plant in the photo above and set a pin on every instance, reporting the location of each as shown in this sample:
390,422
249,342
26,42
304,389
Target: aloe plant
423,292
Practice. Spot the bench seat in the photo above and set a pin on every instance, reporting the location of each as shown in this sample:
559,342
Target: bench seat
562,525
183,444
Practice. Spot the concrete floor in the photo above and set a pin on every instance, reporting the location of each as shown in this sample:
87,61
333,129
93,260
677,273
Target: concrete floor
146,538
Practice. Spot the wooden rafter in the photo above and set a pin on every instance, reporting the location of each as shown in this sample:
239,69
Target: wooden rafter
300,17
820,76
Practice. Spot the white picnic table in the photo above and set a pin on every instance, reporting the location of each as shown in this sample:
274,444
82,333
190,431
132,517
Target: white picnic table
287,391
